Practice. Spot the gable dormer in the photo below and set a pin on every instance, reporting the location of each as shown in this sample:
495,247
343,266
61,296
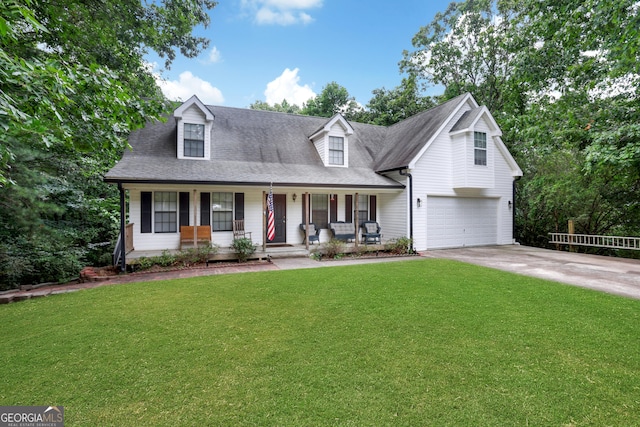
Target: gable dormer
474,139
194,122
332,142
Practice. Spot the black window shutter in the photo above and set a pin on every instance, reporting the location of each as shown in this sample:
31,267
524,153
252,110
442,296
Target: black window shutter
239,202
348,208
184,208
333,208
205,208
372,208
145,209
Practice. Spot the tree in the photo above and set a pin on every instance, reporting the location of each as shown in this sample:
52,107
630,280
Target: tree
465,49
388,107
73,84
332,100
285,107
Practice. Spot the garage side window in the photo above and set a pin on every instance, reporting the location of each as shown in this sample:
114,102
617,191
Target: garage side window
480,148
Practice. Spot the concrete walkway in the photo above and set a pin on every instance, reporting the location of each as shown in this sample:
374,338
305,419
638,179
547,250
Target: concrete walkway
613,275
618,276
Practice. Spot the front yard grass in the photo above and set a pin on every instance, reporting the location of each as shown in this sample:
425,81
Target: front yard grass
429,342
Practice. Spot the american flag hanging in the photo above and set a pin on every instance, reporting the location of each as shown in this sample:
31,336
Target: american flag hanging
271,221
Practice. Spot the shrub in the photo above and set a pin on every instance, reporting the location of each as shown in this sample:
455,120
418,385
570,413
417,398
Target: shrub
399,246
197,255
243,248
333,248
184,258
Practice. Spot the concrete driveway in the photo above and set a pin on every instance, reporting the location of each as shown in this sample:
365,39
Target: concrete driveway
618,276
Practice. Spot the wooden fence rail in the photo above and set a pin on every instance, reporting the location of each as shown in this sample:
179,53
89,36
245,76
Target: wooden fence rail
613,242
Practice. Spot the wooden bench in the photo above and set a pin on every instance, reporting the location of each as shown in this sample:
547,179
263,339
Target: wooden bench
187,234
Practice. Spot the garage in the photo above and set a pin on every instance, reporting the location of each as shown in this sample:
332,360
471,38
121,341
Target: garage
454,222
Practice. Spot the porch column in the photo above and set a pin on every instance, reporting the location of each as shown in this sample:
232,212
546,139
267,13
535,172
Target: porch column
264,221
356,219
306,219
123,220
195,220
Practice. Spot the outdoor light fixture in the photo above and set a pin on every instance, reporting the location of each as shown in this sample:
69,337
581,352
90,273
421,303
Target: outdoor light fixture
509,203
419,202
294,197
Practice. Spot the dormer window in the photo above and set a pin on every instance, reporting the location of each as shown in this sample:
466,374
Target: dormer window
194,125
193,140
336,150
480,148
332,142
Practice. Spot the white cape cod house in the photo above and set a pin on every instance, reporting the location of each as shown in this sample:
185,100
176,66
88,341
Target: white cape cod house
442,177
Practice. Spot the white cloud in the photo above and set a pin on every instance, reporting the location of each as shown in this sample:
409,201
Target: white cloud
281,12
188,85
286,87
214,55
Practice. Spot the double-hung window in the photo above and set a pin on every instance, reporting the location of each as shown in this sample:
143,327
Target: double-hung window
480,148
320,210
222,211
363,207
336,150
166,211
193,140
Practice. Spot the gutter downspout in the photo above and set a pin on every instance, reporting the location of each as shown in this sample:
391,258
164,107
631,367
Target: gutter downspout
404,172
123,240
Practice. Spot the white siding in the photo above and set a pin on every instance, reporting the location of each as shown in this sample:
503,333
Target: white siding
322,148
465,173
433,176
390,213
394,216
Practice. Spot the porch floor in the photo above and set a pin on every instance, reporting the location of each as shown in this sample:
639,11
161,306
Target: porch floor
275,251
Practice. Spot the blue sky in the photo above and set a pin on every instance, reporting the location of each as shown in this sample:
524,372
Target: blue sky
269,50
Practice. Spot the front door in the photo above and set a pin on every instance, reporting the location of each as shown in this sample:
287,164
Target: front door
280,216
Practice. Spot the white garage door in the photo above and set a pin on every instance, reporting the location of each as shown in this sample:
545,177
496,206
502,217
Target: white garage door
454,222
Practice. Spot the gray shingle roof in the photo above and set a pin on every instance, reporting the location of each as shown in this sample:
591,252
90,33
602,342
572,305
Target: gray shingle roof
406,139
254,147
466,120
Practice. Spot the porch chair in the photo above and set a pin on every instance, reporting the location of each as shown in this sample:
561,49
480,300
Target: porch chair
238,230
370,232
314,233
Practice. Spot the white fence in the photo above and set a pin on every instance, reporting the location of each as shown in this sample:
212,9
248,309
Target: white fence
613,242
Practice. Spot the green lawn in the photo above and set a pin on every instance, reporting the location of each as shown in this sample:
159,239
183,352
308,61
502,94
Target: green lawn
430,342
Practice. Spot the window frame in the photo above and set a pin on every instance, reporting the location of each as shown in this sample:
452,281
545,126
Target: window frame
165,212
320,214
193,147
222,217
363,199
336,155
480,149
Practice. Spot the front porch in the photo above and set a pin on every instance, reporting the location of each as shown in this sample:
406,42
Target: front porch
271,251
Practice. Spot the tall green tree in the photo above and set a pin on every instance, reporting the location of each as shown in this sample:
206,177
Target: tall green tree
332,100
284,107
73,84
388,107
